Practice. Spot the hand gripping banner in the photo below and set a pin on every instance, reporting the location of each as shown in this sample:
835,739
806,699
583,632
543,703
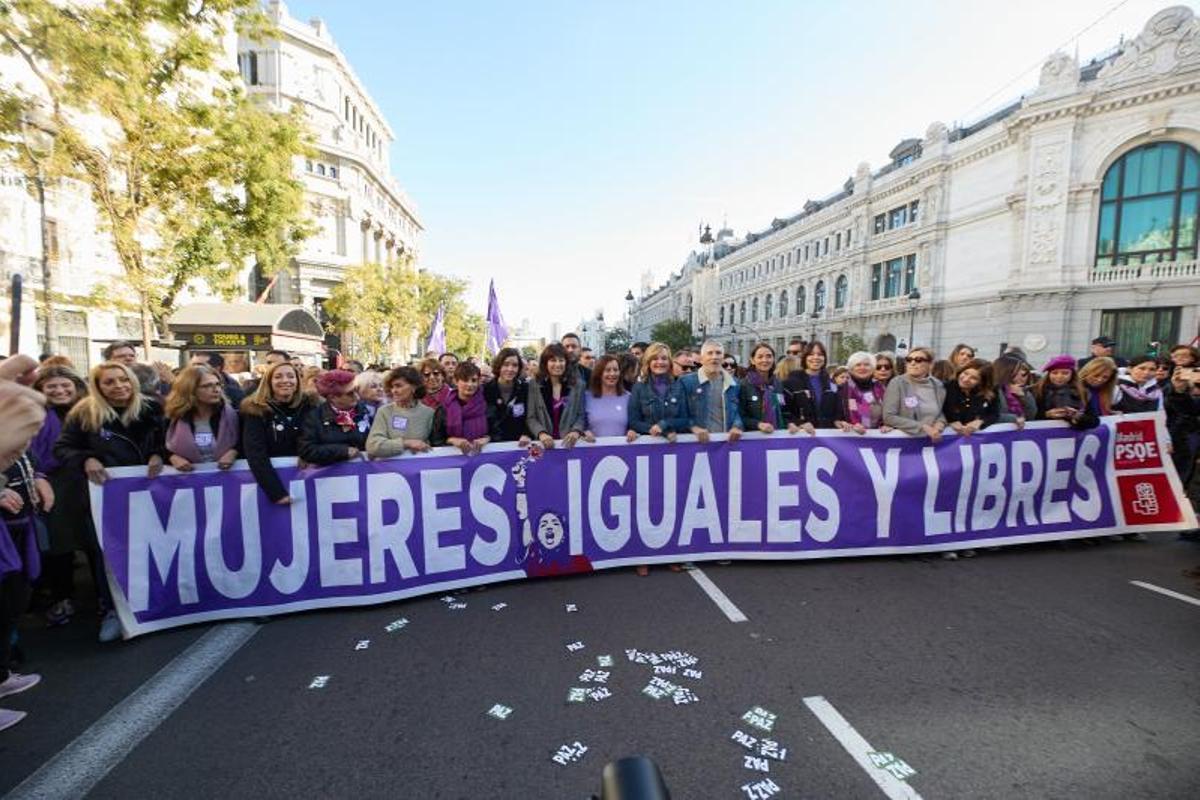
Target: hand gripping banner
208,545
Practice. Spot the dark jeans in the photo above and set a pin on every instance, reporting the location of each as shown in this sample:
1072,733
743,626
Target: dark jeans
14,599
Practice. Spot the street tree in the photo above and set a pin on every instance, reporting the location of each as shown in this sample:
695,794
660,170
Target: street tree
464,328
674,333
191,179
617,340
373,307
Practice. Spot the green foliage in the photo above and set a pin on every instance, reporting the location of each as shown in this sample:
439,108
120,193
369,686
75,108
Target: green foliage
375,306
850,343
464,328
530,353
192,180
674,333
617,340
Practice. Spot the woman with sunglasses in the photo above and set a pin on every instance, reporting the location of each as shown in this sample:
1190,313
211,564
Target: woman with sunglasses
653,406
913,401
555,404
203,426
885,368
436,387
271,420
506,395
337,429
760,396
860,398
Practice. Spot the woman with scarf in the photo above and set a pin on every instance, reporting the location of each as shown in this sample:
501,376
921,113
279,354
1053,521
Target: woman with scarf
114,426
336,430
1097,384
466,411
405,424
653,406
555,404
271,422
760,396
1010,377
68,525
1059,397
203,426
436,387
1140,389
860,398
506,395
369,384
815,389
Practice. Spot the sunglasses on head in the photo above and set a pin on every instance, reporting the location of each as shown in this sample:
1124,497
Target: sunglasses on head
917,360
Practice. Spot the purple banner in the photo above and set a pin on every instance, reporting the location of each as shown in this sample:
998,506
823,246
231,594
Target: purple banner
208,545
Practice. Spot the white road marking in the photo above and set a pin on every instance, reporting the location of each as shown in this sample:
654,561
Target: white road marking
724,603
1177,595
858,748
83,763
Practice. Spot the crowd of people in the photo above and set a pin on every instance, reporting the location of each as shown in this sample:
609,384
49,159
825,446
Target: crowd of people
124,413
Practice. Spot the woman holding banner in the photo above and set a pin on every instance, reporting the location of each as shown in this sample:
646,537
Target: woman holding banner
336,430
913,401
271,421
606,405
405,424
1097,385
506,396
1059,396
653,407
815,387
555,404
1011,377
203,426
860,398
436,388
760,396
114,426
971,403
466,412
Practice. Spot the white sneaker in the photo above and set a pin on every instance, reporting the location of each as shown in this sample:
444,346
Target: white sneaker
950,555
18,683
110,627
8,717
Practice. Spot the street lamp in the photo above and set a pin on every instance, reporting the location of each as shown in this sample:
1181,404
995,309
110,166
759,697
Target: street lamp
914,297
814,316
38,139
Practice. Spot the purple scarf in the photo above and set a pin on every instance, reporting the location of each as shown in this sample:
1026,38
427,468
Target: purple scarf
438,398
1013,402
181,437
661,385
763,387
42,446
466,420
858,404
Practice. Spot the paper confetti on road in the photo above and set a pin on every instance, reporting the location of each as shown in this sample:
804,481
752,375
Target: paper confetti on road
363,644
392,627
569,753
499,711
319,682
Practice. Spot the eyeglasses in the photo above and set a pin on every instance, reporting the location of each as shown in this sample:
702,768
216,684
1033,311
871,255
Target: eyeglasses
687,368
793,352
431,374
883,366
730,365
917,360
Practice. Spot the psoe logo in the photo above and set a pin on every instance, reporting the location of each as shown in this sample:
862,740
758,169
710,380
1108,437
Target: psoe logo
1145,501
1137,445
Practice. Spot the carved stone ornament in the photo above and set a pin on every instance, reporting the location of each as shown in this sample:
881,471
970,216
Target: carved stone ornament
1048,175
937,133
1168,44
1043,240
863,172
1060,77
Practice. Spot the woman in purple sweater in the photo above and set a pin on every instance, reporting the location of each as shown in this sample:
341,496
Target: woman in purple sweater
607,403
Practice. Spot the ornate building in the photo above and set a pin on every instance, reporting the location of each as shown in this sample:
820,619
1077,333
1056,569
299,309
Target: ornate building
1065,215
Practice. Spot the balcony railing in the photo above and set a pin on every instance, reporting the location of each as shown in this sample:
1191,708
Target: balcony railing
1160,271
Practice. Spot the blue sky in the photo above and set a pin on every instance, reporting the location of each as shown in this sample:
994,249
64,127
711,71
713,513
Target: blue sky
563,148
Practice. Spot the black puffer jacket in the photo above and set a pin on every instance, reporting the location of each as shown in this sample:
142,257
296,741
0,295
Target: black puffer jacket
115,444
273,434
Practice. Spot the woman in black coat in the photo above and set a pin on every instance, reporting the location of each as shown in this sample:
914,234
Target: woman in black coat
971,402
336,430
505,396
271,421
809,394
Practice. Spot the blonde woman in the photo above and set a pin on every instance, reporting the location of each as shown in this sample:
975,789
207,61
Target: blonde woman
653,406
271,421
203,426
114,426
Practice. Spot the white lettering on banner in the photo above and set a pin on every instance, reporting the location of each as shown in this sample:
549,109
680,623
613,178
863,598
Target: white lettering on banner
148,538
332,531
1054,511
1024,454
1089,507
884,482
289,579
234,584
489,514
822,459
574,505
700,508
993,459
967,456
741,531
392,537
654,535
780,496
611,469
936,522
435,521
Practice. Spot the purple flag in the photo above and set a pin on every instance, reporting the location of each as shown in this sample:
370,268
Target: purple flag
437,336
497,331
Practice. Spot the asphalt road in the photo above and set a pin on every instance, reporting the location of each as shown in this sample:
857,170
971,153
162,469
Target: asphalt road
1035,671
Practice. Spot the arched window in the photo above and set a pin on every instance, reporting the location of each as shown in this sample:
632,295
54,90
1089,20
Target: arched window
722,322
839,292
1148,207
800,300
768,306
754,310
731,313
819,297
743,310
783,304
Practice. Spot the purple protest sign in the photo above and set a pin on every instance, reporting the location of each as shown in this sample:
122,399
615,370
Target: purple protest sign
209,545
